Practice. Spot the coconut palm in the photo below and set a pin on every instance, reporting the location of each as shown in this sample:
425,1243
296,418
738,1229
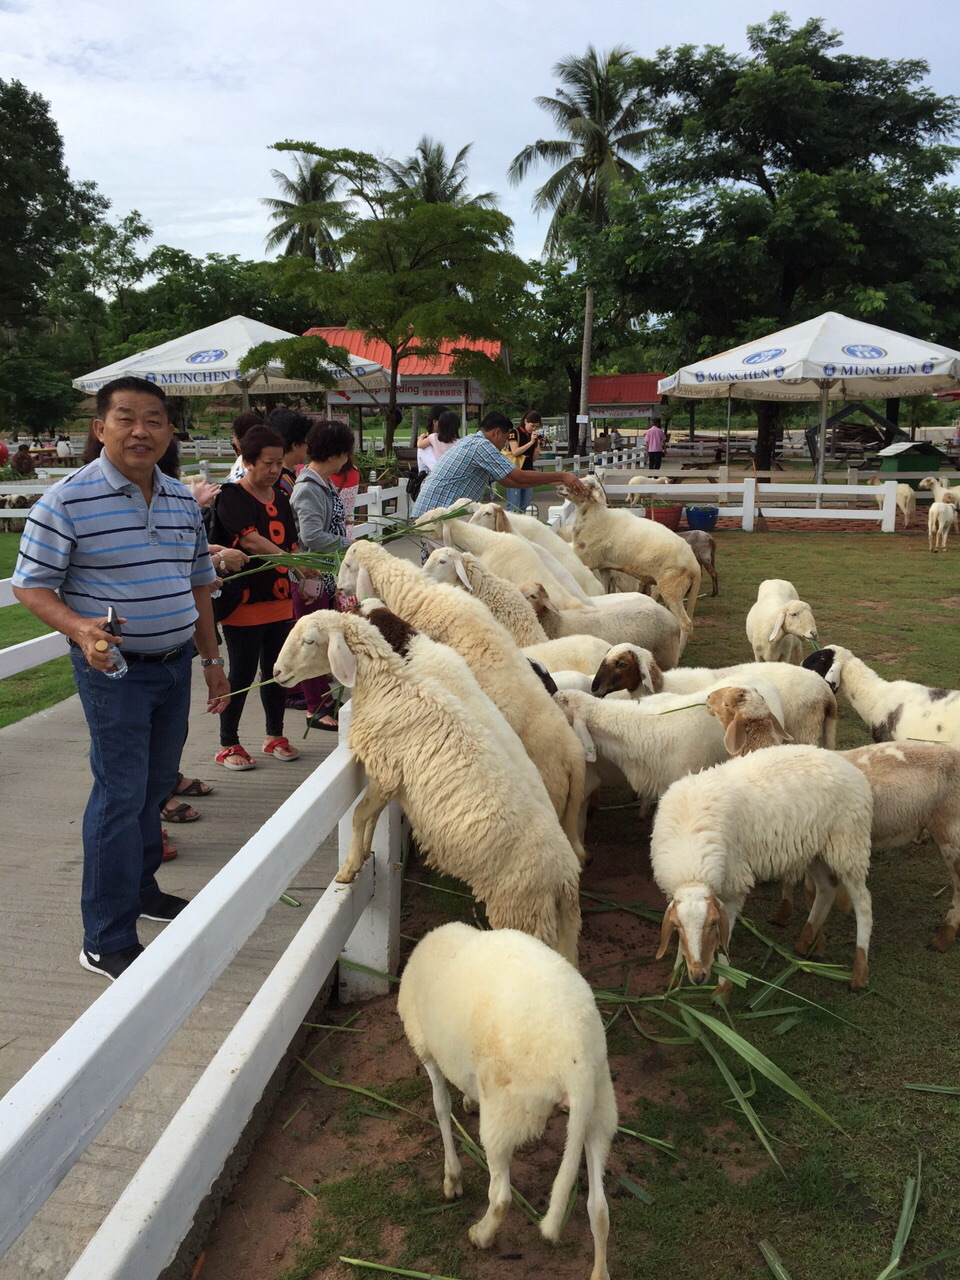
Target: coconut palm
309,213
435,179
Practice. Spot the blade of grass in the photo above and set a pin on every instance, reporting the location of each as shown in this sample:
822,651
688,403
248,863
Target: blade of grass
660,1144
916,1267
363,968
950,1089
773,1261
635,1189
394,1271
288,901
293,1183
908,1212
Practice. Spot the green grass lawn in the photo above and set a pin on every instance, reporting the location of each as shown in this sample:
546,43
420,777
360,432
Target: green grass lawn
42,686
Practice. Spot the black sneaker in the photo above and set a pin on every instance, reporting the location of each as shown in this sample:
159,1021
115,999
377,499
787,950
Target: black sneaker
165,908
112,964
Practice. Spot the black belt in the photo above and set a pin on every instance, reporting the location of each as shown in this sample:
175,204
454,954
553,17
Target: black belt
145,657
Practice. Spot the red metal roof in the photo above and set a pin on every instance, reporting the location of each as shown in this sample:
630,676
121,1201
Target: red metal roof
438,367
625,388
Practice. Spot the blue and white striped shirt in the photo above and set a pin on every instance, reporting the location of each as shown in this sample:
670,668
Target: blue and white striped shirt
92,538
463,472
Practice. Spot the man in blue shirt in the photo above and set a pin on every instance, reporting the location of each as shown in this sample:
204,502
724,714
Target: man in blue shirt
119,532
475,462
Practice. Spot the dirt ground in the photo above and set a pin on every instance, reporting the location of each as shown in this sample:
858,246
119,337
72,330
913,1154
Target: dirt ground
316,1135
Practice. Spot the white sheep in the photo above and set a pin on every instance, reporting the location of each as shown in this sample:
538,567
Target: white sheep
492,516
635,498
619,619
940,520
453,617
906,500
771,814
504,599
891,709
940,490
809,706
915,787
517,1030
778,622
453,772
606,539
570,653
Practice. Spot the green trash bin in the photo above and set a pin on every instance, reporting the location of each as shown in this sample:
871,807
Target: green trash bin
910,455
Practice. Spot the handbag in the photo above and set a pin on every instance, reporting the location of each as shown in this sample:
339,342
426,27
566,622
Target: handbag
415,481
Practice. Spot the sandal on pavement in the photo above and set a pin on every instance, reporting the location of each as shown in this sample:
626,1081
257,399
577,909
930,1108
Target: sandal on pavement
316,721
235,758
169,851
190,787
280,749
179,813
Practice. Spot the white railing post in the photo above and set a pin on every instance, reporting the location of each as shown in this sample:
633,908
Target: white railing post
888,520
576,465
374,500
749,504
723,473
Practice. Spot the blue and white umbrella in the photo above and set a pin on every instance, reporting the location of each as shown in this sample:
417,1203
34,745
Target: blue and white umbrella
829,358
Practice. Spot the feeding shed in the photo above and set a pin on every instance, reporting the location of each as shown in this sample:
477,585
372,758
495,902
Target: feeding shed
910,455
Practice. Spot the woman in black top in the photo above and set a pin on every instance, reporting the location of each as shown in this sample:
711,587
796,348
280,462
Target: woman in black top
523,446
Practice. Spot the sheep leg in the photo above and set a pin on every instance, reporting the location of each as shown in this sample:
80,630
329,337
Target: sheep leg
785,910
863,910
597,1146
724,987
452,1170
947,931
710,568
364,821
826,886
498,1148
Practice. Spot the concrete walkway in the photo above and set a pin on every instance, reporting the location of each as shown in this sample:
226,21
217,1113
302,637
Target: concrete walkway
44,783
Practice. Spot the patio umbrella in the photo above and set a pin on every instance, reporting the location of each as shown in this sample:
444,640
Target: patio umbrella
829,358
204,363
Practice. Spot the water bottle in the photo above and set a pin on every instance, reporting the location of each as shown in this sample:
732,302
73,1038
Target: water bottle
116,657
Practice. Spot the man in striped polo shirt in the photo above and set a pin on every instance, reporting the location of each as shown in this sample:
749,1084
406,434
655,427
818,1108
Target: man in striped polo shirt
119,532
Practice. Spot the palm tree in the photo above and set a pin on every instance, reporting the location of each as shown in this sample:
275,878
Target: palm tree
600,113
435,179
309,214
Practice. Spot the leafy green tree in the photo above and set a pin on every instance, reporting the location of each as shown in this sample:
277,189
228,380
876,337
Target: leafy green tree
417,276
34,394
434,178
308,213
785,182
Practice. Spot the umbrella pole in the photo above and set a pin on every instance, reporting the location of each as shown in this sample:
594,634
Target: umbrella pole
726,449
822,447
245,396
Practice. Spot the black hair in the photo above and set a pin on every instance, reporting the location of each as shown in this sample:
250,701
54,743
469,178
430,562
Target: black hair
433,416
293,426
328,439
532,415
448,426
258,438
496,421
105,394
24,448
244,421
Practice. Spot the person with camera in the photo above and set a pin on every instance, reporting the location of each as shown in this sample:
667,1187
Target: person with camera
523,448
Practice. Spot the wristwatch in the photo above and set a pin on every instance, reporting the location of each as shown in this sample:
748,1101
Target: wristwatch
211,662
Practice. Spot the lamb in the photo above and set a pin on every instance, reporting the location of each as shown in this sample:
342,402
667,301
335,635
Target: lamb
809,706
517,1030
891,709
771,814
605,539
570,653
704,547
452,772
504,599
629,618
906,500
915,787
492,516
778,621
940,520
635,498
940,490
452,617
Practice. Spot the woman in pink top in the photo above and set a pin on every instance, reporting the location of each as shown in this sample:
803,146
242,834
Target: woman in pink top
434,444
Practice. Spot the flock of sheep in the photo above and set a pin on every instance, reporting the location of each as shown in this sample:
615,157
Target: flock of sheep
495,690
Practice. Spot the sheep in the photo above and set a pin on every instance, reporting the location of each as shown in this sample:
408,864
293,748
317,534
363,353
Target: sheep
571,653
778,621
452,617
504,599
606,539
492,516
477,810
906,500
891,709
636,498
518,1031
775,813
631,618
939,490
915,787
940,520
507,554
809,706
704,547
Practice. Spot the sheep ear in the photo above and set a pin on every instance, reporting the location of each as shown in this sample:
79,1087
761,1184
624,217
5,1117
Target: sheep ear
365,585
501,521
735,737
777,631
780,730
446,533
667,930
462,574
342,662
431,544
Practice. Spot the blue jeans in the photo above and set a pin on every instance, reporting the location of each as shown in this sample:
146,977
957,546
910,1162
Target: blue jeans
138,725
519,499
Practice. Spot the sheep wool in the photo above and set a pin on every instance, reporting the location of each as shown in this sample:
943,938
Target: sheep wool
504,599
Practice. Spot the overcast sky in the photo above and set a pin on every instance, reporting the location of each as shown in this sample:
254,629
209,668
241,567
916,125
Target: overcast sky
170,106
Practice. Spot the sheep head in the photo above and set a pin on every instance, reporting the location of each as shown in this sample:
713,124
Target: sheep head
592,494
928,482
492,516
795,619
828,663
629,667
536,595
744,713
446,565
700,919
323,643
